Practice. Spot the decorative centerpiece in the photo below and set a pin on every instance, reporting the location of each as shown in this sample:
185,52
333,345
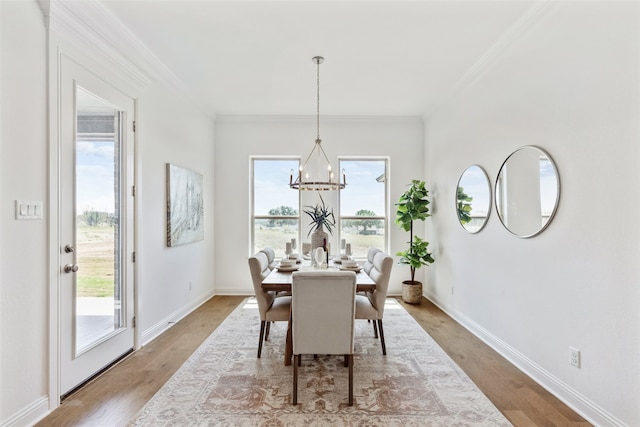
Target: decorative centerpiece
321,218
413,206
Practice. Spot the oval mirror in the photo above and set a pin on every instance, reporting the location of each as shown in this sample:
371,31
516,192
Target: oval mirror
473,200
527,191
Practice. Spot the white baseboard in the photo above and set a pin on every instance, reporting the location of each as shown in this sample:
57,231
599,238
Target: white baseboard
163,325
571,397
29,415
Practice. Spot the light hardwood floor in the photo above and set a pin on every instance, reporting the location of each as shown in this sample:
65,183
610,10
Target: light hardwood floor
117,395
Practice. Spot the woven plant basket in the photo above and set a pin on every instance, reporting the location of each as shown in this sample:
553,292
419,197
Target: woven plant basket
412,292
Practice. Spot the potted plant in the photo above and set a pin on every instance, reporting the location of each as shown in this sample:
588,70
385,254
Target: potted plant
321,217
413,206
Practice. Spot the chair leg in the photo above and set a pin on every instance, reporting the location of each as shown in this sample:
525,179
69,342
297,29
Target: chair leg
296,361
262,326
384,348
266,332
350,361
375,329
346,360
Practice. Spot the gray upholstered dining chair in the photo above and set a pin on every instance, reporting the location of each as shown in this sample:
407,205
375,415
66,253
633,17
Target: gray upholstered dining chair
271,308
371,305
323,309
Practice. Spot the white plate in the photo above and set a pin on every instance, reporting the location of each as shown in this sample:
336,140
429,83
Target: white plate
293,268
356,269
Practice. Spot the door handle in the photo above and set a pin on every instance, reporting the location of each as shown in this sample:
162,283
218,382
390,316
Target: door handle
68,249
70,268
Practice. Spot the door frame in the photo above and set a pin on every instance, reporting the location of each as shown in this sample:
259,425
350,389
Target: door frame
55,59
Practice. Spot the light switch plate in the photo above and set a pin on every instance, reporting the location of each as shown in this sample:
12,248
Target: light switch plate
28,209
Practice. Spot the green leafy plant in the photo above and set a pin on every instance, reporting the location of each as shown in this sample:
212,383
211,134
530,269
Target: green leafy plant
320,217
414,206
464,206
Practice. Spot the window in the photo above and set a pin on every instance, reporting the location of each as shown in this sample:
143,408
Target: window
276,218
363,205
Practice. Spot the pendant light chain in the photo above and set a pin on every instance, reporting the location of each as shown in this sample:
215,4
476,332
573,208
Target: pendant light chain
318,98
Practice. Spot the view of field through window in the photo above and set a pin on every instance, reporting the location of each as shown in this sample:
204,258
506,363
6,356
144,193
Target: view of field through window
362,218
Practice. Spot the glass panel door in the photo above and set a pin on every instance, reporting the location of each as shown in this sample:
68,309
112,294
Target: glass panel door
98,279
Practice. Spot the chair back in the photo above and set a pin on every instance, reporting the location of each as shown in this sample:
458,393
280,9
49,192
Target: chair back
271,257
368,264
379,273
259,267
323,311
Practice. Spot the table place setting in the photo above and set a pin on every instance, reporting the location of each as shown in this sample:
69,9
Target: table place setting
350,265
288,264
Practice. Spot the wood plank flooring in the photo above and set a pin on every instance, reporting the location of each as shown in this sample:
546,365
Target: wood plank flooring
115,397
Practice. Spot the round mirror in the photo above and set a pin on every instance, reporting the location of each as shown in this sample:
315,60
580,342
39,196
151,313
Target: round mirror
473,199
527,191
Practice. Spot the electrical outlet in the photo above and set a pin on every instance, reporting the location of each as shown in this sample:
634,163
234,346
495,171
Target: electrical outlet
574,355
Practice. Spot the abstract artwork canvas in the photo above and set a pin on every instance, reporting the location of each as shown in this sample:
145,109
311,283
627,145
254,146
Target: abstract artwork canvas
185,206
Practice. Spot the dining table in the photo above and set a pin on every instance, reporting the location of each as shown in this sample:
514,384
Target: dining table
279,280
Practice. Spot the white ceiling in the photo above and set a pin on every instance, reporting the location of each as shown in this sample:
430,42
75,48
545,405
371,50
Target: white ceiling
381,57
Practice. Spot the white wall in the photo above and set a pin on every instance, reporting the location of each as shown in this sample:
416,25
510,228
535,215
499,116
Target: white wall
173,280
568,84
238,138
23,176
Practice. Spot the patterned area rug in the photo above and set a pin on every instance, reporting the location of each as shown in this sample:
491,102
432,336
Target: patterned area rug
224,383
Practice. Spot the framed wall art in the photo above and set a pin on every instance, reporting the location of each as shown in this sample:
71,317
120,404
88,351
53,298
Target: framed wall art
185,206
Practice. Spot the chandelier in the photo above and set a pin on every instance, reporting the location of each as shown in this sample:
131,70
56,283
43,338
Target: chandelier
316,172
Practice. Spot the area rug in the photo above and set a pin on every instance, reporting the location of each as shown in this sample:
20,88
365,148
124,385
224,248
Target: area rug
224,384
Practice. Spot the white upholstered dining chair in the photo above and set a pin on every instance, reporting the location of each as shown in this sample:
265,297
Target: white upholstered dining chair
271,308
271,257
371,305
323,309
368,264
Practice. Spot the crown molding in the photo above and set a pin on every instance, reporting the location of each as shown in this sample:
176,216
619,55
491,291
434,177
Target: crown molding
79,24
494,53
89,26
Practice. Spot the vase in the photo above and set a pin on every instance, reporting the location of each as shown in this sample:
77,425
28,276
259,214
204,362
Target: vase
412,291
318,237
